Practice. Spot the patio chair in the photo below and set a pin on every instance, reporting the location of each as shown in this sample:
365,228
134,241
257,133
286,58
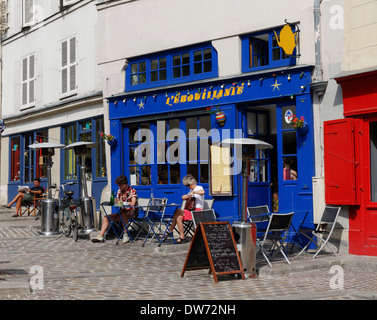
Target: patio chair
154,216
138,223
188,225
259,215
276,232
323,231
33,207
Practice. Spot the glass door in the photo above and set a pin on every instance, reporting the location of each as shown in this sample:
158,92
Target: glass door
259,184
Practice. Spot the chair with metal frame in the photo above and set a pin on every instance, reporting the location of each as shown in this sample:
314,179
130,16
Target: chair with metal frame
259,215
188,225
155,214
138,222
323,231
276,232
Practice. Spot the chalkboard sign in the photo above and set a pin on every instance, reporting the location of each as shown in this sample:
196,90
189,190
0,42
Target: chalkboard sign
207,215
213,246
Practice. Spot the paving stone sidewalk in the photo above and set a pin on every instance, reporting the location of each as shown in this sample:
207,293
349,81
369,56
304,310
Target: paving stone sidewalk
105,271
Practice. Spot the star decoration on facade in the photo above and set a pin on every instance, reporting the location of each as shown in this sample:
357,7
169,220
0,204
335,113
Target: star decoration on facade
276,85
141,104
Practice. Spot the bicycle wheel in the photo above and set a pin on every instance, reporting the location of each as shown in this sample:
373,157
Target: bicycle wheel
75,234
65,222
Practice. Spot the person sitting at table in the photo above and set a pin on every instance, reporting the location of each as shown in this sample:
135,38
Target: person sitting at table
125,194
26,196
181,215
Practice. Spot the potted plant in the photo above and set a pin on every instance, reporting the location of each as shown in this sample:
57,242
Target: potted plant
299,124
109,138
220,115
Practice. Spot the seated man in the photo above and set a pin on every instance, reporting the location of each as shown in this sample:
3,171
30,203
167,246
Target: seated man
26,197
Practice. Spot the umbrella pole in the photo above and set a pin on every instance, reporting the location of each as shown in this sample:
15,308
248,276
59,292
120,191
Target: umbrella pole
246,170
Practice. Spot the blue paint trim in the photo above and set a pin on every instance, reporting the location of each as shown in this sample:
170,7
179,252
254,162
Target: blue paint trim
245,49
170,80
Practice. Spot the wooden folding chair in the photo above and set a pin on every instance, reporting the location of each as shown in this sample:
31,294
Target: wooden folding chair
33,207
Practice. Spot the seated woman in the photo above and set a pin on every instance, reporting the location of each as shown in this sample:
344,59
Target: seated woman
125,194
181,215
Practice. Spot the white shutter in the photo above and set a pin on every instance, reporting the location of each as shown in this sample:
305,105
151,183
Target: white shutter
28,81
27,12
72,60
64,67
69,66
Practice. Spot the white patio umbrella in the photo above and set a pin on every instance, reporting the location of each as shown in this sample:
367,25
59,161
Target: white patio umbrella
233,142
237,143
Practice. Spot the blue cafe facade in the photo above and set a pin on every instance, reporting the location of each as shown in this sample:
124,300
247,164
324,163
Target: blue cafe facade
171,94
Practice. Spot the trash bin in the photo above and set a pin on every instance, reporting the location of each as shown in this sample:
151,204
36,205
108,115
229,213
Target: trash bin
50,217
245,236
86,215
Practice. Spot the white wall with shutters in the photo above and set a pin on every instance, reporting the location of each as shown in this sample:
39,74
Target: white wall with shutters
64,53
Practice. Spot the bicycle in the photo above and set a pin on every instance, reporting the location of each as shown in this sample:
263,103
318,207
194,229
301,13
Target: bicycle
68,217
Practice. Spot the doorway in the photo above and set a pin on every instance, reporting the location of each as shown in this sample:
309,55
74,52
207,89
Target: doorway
261,169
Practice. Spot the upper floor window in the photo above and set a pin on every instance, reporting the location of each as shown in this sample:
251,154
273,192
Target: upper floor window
28,13
28,81
68,66
182,65
262,51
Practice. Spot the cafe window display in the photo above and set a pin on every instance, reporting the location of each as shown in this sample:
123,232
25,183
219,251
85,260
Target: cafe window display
159,145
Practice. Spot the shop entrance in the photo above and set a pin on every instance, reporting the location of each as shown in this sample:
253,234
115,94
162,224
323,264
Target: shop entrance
258,126
273,174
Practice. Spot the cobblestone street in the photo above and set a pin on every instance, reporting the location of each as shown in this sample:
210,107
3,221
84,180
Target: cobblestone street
84,270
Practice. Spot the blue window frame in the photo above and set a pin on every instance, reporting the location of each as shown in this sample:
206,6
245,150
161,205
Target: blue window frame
261,51
172,67
26,163
95,162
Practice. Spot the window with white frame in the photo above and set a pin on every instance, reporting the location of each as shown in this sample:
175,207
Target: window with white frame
28,81
68,66
28,13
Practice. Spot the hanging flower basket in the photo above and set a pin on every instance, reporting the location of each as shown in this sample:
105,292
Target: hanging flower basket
299,124
304,129
109,138
220,115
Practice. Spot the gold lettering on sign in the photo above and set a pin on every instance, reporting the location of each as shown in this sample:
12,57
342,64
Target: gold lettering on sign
178,98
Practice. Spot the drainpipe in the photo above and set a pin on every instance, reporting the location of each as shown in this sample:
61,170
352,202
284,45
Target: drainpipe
318,85
317,38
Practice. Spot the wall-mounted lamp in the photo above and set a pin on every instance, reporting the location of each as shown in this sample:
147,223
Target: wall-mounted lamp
126,62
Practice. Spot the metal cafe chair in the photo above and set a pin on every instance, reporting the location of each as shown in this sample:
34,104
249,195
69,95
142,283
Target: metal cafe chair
188,225
138,223
276,232
259,215
323,231
155,216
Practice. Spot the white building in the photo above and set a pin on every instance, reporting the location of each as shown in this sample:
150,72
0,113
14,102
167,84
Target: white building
51,92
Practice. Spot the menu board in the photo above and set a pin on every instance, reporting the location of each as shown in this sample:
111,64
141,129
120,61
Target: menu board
213,246
220,171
